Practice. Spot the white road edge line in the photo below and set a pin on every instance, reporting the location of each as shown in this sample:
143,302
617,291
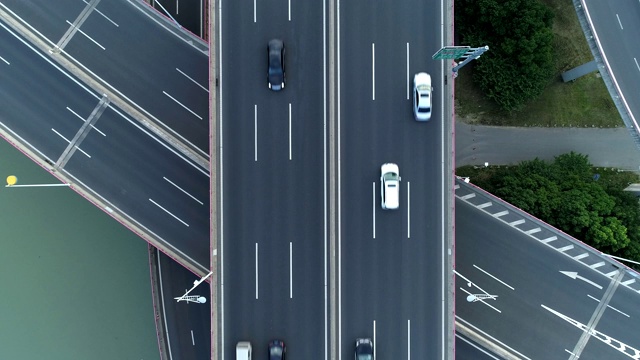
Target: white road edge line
373,203
192,80
255,132
373,70
289,131
167,211
408,339
408,210
407,71
95,42
619,22
164,310
256,271
184,191
290,270
443,241
220,192
493,277
181,104
328,352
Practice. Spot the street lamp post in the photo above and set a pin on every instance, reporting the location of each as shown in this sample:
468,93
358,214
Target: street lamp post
194,298
12,180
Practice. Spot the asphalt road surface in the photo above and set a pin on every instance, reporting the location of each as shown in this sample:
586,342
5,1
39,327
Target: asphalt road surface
133,170
535,303
163,74
274,240
390,261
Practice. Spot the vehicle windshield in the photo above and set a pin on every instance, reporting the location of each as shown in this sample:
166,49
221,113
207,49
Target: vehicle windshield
277,351
365,357
390,176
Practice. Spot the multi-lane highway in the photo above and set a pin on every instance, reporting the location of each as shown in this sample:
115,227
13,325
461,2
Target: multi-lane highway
132,52
274,240
275,253
391,261
96,144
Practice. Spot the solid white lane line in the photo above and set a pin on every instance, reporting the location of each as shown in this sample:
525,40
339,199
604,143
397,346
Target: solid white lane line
373,70
67,140
634,59
493,277
408,339
445,250
407,71
609,306
193,341
103,15
81,118
290,270
255,132
181,104
327,283
619,22
167,211
254,11
374,339
195,82
373,203
289,10
256,271
289,131
87,36
184,191
408,210
6,62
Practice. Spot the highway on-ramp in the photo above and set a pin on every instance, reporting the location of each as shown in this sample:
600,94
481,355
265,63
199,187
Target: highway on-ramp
543,294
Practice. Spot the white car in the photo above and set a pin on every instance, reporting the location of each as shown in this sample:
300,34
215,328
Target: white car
390,186
422,96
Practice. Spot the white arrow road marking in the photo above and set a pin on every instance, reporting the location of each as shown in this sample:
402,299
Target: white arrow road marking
574,275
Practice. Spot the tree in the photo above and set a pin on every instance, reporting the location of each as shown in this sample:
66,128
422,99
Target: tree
519,63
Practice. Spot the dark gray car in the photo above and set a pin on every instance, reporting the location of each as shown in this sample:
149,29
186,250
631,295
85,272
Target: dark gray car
364,349
275,59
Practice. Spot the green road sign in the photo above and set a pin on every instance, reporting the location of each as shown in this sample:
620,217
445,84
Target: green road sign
451,52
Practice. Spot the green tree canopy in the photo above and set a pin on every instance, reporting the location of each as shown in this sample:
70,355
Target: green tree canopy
564,194
519,63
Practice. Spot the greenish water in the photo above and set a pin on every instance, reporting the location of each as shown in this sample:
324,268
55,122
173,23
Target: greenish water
74,282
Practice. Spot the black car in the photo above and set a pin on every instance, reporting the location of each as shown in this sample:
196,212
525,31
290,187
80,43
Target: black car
277,350
275,59
364,349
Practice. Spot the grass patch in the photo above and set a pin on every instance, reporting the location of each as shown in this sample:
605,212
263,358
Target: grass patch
583,103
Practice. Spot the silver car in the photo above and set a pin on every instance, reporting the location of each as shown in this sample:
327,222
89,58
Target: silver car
422,96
